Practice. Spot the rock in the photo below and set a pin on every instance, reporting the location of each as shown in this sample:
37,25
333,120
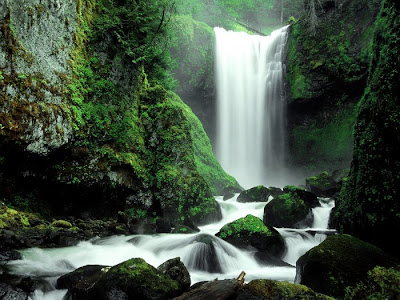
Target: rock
256,194
275,192
263,289
286,210
338,262
217,289
250,231
175,269
309,198
267,259
322,185
7,255
7,292
134,279
204,255
61,224
230,191
80,281
184,229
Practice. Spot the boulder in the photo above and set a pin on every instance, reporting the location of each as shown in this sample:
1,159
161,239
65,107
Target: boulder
263,289
256,194
175,269
80,281
134,279
230,191
323,185
275,192
250,231
286,210
309,198
8,292
339,262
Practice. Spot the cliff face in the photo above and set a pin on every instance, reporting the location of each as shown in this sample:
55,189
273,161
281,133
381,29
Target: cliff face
82,130
326,76
369,202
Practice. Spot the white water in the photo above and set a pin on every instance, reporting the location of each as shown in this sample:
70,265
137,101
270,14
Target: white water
299,241
250,110
207,257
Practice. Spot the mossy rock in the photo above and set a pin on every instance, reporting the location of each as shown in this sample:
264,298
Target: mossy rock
256,194
61,224
134,279
176,270
286,210
250,231
14,219
322,185
338,262
263,289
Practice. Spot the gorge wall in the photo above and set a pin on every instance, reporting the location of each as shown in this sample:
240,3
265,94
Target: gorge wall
84,132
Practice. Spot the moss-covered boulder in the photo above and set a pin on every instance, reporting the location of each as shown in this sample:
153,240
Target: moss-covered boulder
256,194
250,231
61,224
369,201
134,279
322,185
263,289
291,209
175,269
338,262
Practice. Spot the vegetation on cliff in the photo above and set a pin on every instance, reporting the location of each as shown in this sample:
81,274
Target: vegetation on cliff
368,206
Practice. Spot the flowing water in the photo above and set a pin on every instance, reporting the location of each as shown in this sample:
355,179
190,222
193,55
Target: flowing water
250,106
206,256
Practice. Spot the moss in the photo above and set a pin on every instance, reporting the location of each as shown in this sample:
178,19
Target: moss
368,206
61,224
270,289
248,225
323,180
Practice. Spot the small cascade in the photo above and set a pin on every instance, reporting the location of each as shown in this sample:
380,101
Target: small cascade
299,241
250,106
206,256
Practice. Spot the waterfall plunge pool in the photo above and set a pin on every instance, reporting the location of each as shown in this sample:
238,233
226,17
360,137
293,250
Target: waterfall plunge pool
206,256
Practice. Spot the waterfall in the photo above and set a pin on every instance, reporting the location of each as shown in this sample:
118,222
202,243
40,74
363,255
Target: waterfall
250,106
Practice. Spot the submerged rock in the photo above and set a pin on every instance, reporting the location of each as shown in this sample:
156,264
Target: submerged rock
338,262
250,231
256,194
7,292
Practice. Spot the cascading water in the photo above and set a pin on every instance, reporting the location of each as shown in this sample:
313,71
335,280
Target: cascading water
206,256
250,106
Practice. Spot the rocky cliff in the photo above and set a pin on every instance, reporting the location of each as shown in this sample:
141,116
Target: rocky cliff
369,202
326,77
84,132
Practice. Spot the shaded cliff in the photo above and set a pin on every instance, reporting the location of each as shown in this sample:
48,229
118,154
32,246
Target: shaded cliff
83,131
369,202
326,76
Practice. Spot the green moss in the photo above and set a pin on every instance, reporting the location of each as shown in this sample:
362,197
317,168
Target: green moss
61,224
322,180
246,226
325,144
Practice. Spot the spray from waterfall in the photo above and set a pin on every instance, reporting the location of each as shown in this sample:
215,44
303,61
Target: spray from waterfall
250,109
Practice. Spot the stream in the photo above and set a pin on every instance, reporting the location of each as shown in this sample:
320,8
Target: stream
206,256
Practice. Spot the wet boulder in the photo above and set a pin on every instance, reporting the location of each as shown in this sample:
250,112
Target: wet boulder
80,281
275,192
339,262
230,191
270,289
256,194
322,185
175,269
287,210
309,198
7,292
250,231
134,279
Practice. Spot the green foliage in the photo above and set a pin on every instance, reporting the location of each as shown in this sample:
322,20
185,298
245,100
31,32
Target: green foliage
368,206
324,144
381,283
